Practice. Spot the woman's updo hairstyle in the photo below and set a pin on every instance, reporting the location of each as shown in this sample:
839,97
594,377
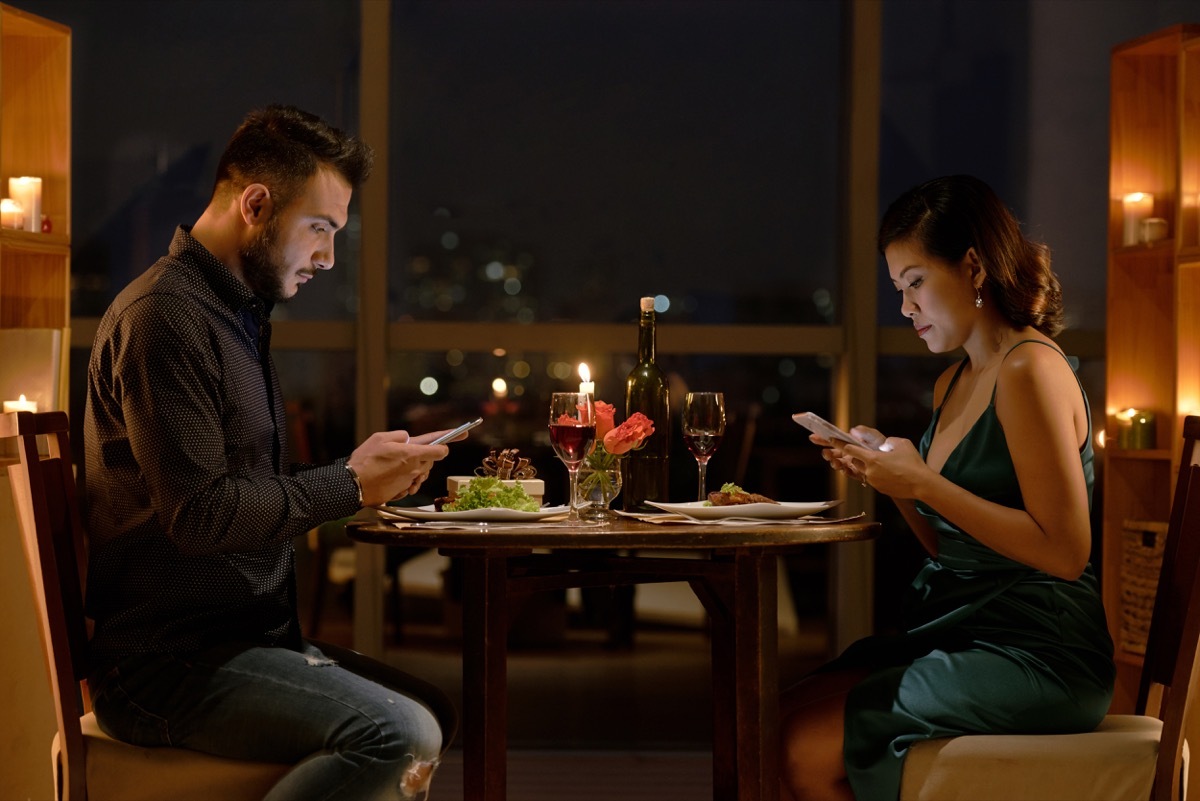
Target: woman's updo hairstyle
950,215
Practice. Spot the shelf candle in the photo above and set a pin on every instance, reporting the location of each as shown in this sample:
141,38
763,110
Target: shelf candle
1137,206
586,385
12,214
21,405
1124,420
28,190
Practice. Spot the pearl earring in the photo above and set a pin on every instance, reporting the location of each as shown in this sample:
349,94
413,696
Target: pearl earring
978,299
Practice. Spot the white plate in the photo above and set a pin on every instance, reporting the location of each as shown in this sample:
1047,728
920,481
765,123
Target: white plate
493,515
699,510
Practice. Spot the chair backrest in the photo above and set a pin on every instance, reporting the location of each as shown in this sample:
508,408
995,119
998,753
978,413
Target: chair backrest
1175,624
44,492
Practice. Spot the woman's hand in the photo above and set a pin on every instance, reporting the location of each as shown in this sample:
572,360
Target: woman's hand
839,459
896,469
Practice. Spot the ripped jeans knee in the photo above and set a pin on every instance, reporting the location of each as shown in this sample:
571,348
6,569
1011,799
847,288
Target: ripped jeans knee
414,783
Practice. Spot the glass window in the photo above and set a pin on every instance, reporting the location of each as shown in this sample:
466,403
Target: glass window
319,390
553,160
157,89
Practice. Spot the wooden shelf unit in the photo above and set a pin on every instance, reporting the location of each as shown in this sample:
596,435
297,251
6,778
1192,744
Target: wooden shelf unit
35,293
35,139
1153,330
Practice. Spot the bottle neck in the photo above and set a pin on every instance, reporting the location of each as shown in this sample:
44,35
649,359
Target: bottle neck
646,337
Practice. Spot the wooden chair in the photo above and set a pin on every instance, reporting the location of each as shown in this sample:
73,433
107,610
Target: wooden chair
88,763
1128,757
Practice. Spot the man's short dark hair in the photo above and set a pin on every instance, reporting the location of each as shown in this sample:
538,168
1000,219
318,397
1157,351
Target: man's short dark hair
282,147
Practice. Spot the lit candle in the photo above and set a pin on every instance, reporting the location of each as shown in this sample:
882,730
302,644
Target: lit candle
21,405
1137,207
1124,420
28,191
12,215
586,386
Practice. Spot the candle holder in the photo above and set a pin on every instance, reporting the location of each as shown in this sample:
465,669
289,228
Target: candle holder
1154,229
1136,430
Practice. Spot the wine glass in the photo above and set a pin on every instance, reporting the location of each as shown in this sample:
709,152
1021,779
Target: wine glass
572,432
703,428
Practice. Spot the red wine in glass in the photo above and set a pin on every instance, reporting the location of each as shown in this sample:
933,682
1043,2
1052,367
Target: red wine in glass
572,443
572,428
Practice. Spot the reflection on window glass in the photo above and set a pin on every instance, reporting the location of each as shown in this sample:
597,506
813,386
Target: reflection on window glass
553,159
763,449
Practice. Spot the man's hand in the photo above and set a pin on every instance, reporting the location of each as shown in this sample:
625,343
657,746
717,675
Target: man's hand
391,465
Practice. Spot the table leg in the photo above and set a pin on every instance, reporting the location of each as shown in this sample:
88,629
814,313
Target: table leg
745,662
485,679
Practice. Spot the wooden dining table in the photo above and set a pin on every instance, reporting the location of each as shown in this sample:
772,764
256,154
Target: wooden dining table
732,569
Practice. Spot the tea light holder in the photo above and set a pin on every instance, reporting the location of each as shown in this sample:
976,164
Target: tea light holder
1137,206
1154,229
12,214
1136,430
28,190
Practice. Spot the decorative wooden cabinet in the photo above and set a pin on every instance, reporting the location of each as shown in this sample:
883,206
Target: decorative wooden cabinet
1153,331
35,140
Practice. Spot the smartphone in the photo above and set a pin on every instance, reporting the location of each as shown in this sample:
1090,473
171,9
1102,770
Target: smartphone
449,435
819,425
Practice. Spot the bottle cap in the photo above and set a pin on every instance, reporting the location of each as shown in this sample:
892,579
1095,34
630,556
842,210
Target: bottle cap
648,304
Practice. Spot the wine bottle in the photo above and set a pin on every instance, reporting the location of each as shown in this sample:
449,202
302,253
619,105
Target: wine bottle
646,470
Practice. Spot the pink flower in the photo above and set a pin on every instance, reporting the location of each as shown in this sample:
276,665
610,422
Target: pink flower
629,434
604,418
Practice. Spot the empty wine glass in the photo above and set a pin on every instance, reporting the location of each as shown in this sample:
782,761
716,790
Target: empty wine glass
703,428
572,432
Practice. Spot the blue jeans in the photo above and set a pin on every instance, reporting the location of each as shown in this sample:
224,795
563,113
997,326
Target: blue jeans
356,728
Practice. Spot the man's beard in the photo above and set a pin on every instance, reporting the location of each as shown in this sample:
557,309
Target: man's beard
260,267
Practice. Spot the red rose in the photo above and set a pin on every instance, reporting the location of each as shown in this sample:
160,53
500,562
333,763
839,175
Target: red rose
604,418
629,434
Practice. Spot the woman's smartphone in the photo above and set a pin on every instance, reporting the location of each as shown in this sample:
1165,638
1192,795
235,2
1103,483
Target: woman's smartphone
449,435
819,425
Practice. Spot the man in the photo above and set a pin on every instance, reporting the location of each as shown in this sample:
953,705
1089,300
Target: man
193,506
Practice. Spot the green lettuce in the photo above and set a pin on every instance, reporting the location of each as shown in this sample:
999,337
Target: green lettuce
488,492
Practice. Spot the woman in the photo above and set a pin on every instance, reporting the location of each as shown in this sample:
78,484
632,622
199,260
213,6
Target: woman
1004,628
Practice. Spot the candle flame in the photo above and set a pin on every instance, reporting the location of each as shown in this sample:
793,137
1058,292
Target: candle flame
584,373
22,398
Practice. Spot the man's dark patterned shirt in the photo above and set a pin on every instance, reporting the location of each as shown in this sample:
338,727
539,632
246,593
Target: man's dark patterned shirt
191,502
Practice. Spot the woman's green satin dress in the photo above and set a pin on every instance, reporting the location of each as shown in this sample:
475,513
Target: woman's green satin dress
991,645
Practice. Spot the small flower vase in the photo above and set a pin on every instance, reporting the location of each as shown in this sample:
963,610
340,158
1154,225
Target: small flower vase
596,490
